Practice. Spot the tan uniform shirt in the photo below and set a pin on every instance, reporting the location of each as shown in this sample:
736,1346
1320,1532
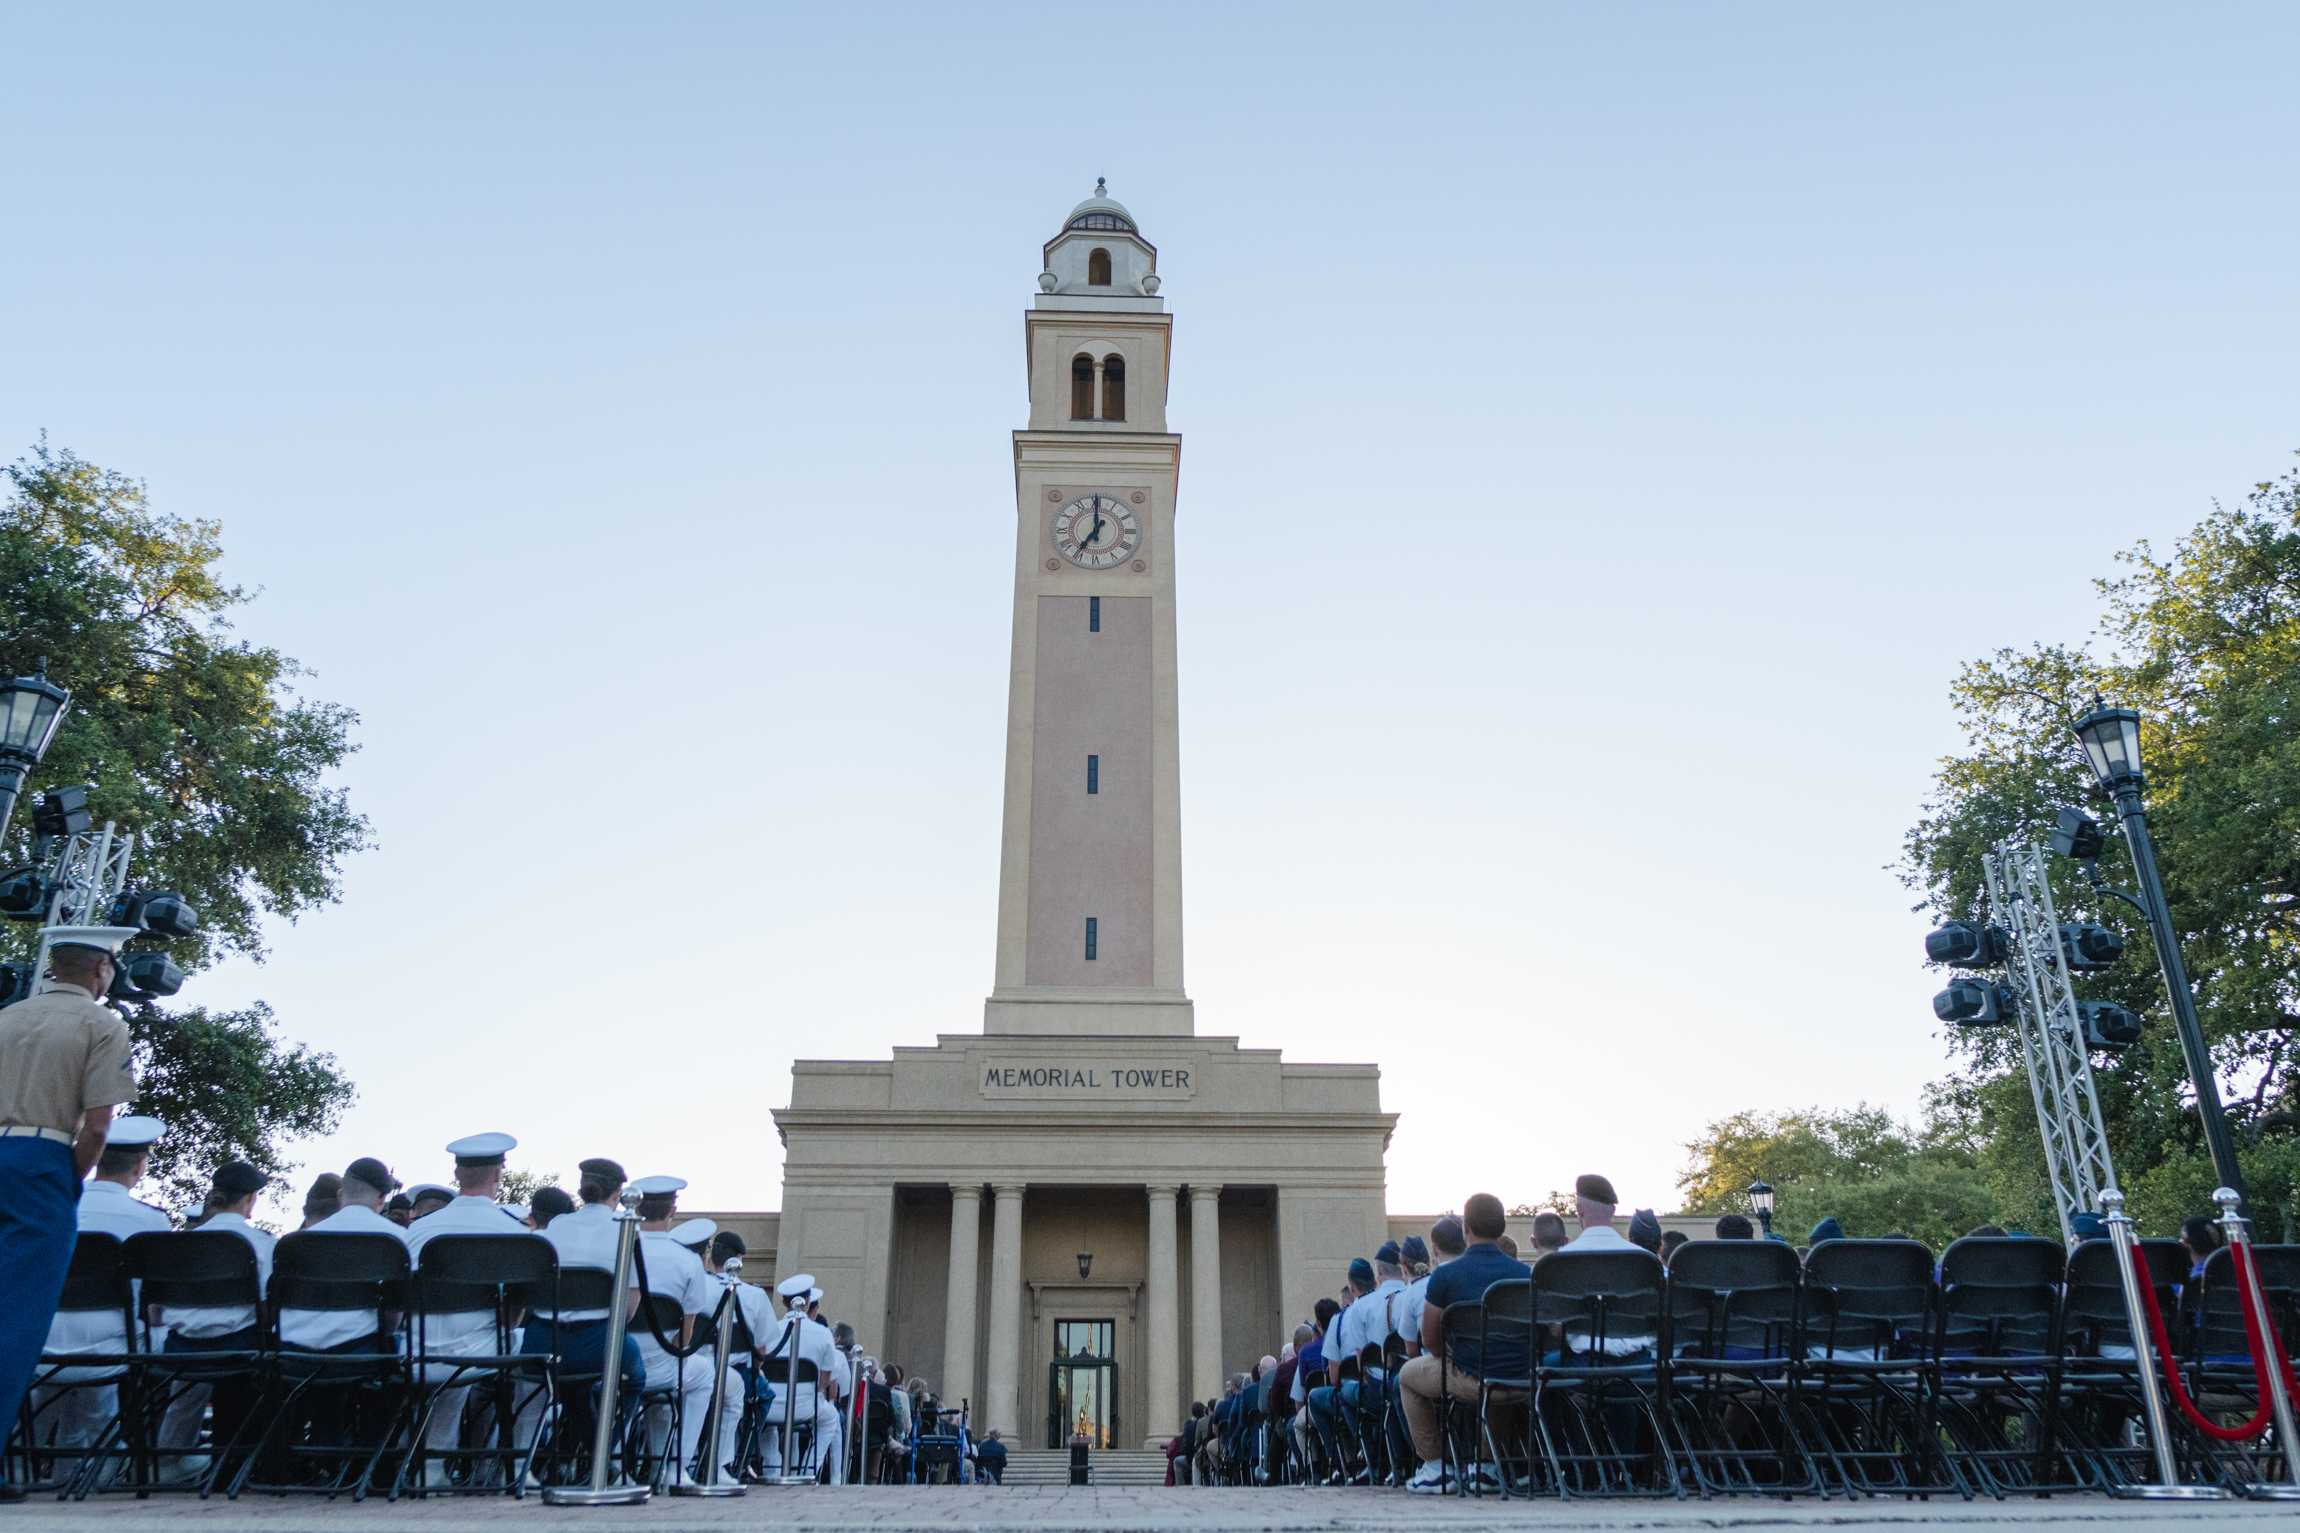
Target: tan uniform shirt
61,1054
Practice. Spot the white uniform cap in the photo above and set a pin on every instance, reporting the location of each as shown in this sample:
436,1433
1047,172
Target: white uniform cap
422,1190
133,1132
814,1296
517,1211
482,1149
657,1186
693,1232
108,938
796,1287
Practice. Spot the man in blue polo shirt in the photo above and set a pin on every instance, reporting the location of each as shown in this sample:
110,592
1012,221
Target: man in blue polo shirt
1462,1280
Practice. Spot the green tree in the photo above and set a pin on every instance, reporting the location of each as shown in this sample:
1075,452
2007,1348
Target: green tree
199,742
2206,644
522,1185
1874,1174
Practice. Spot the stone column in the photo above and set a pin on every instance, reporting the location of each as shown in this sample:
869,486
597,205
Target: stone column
1004,1366
958,1334
1206,1292
1162,1369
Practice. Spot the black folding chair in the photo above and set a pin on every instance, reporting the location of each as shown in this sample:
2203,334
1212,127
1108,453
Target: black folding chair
343,1395
96,1287
1997,1342
660,1317
1462,1430
497,1276
2219,1362
194,1269
1599,1406
562,1442
1732,1374
1866,1379
2100,1363
784,1376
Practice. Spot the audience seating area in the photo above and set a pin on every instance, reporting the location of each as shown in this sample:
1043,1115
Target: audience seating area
2003,1366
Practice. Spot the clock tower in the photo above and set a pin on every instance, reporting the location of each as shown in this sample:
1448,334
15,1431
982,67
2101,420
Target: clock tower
1090,865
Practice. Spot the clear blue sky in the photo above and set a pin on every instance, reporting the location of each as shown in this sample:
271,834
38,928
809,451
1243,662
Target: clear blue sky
1606,429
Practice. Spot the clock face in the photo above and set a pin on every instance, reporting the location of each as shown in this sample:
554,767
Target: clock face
1097,532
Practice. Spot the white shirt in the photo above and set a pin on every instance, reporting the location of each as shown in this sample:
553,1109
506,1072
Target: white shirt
1604,1237
758,1310
1411,1303
315,1330
814,1345
472,1331
584,1238
204,1323
1369,1321
106,1208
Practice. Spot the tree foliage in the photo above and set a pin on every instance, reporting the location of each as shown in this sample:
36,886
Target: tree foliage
1874,1174
197,741
2206,644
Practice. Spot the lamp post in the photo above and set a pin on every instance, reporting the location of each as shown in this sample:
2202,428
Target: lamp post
2111,739
1761,1204
30,709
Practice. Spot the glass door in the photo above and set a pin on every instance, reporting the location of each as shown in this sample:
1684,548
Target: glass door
1082,1384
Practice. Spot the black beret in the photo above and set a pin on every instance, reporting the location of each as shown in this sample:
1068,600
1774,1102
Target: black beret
600,1168
551,1202
371,1171
237,1178
1595,1188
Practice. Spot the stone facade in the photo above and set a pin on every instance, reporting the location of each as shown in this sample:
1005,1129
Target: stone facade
1086,1201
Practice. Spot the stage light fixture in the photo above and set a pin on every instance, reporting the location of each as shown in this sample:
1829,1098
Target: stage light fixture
1975,1003
2107,1026
1966,945
2078,836
23,895
2089,946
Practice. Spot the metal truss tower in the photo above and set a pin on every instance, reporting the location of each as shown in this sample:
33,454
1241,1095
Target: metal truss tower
2051,1033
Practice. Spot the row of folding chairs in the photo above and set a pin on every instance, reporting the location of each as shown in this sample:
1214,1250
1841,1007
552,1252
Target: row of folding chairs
1866,1368
285,1419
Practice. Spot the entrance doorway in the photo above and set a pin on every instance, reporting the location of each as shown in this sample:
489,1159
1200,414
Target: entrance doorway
1082,1384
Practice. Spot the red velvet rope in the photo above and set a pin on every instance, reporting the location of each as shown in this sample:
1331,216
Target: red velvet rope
2265,1353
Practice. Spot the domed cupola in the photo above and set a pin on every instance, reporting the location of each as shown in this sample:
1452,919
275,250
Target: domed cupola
1100,259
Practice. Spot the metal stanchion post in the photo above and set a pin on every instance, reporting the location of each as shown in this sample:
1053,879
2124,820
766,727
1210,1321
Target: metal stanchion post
2167,1486
711,1483
789,1347
2239,1232
599,1492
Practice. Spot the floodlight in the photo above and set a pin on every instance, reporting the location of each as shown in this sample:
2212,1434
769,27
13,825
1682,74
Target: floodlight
144,977
23,895
2078,836
16,979
61,812
1967,945
2088,946
163,914
1975,1003
2107,1025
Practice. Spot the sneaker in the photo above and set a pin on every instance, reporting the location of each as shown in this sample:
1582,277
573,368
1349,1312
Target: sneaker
1432,1479
1486,1474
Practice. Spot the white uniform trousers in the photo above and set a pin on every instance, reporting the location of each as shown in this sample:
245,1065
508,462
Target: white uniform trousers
830,1437
456,1336
693,1383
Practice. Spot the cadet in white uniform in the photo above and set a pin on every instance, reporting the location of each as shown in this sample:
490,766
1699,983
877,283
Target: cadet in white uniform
225,1328
474,1211
108,1206
585,1238
366,1183
723,1259
805,1341
673,1272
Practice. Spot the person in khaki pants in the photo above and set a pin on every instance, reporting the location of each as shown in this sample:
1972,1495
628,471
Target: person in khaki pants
1462,1280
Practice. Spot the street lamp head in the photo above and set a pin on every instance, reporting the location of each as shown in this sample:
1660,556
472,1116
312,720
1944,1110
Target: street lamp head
1761,1200
2111,739
30,709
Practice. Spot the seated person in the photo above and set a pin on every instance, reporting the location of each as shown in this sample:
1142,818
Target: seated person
1462,1280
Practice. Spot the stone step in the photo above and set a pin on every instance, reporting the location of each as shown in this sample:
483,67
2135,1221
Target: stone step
1109,1466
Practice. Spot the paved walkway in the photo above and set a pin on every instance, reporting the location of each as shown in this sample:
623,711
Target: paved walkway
1154,1510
